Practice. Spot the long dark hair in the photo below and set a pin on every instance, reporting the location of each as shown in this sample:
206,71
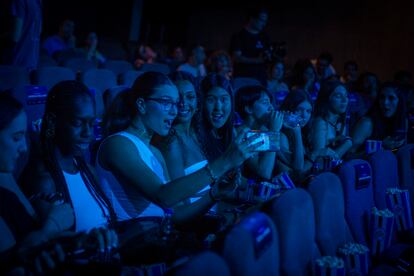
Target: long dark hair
322,102
10,108
60,102
298,71
123,108
388,126
213,147
291,102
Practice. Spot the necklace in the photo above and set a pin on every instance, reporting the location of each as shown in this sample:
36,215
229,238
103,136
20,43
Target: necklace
141,132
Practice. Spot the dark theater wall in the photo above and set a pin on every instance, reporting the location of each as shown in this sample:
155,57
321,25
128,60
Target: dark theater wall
379,35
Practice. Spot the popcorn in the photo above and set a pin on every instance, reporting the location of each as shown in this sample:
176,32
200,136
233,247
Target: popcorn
356,258
399,202
381,230
329,265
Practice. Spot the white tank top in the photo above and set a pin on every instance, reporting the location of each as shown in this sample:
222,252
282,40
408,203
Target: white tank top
193,168
88,214
126,200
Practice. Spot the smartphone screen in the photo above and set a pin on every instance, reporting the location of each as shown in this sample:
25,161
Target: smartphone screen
268,138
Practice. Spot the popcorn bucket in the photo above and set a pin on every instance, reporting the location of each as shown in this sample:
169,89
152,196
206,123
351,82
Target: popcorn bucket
381,230
398,201
284,180
372,146
266,190
329,266
356,257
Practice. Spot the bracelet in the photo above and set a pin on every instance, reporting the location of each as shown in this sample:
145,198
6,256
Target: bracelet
212,197
213,177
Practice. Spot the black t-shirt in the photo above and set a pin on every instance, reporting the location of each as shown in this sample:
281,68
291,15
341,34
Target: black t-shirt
15,215
251,46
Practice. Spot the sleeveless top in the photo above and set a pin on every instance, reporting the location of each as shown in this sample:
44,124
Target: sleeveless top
88,213
126,199
193,168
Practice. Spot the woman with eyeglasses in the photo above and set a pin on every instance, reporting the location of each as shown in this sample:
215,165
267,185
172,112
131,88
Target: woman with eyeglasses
138,177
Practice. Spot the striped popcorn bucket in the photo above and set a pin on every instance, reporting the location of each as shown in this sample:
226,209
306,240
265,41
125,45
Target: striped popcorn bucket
285,181
266,190
356,257
398,201
329,266
372,146
381,230
247,195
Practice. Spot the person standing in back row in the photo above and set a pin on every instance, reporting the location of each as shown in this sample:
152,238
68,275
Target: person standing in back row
23,43
249,47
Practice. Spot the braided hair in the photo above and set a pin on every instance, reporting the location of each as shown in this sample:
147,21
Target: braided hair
59,102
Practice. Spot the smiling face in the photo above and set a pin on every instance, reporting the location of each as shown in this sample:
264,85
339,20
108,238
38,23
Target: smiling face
304,110
159,114
217,106
13,142
188,102
74,130
388,102
338,100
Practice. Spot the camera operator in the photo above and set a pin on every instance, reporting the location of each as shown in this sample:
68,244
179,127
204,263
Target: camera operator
250,47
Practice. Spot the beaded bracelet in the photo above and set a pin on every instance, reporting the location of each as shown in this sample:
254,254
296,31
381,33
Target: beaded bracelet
213,177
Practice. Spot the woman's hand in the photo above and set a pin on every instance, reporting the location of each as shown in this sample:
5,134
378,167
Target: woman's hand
103,238
60,218
242,148
47,260
276,120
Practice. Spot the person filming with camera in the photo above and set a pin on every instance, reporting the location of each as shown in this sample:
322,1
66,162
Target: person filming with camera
250,47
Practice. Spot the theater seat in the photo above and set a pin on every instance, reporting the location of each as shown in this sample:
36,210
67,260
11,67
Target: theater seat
99,80
356,179
240,82
50,75
155,67
405,156
251,247
384,175
12,76
204,264
128,78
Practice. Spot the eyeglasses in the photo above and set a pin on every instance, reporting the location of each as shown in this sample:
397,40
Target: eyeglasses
166,104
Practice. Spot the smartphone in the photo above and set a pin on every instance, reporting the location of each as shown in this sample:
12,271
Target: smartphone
269,139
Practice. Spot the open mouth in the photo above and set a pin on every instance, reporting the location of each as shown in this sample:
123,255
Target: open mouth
168,122
184,112
217,117
83,146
